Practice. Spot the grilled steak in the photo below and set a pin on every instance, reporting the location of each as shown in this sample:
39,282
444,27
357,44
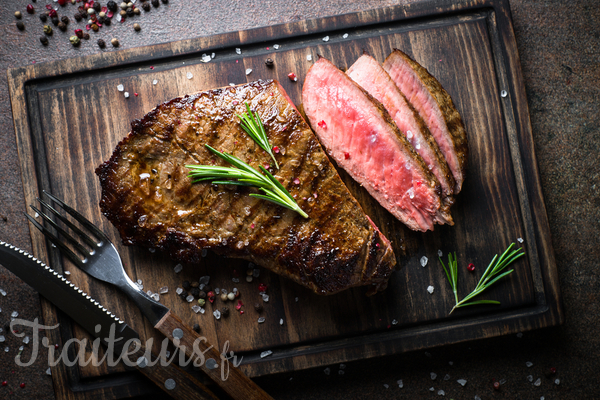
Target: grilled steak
371,76
148,196
360,135
434,104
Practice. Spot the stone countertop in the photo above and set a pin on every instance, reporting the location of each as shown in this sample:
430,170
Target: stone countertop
559,47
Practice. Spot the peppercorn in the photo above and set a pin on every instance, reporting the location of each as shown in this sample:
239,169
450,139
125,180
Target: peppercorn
155,3
223,296
101,43
79,33
202,294
195,292
95,27
55,21
146,7
136,11
258,307
101,20
75,41
62,26
20,25
44,40
123,13
186,285
112,6
207,288
269,62
225,311
43,17
107,22
183,294
137,27
77,17
30,9
196,328
18,14
130,12
86,35
97,7
65,19
48,30
165,1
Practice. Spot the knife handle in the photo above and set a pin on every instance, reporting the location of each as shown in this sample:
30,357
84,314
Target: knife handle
236,384
173,380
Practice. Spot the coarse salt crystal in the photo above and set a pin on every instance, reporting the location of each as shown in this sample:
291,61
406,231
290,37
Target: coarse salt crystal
2,292
261,320
385,385
400,383
265,297
265,353
149,293
432,389
67,272
430,289
152,250
189,75
26,340
276,46
326,39
155,297
327,371
502,381
280,321
537,382
433,375
440,253
231,84
441,393
189,299
179,290
248,71
520,240
529,364
530,378
503,93
120,88
476,398
394,322
49,371
446,377
217,314
163,290
204,280
238,50
212,55
462,382
309,57
2,339
196,308
126,94
345,35
557,381
178,268
6,349
424,261
14,314
217,291
235,280
154,82
206,58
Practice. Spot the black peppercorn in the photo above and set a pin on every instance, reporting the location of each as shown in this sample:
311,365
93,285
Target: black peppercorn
62,26
258,307
65,19
86,35
55,21
224,311
201,294
101,43
112,6
183,294
107,22
43,17
207,288
44,40
130,12
165,1
97,6
155,3
20,25
146,6
196,328
186,285
195,292
101,20
269,62
77,17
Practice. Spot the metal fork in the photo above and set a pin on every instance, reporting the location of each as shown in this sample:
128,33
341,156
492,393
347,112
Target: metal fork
102,261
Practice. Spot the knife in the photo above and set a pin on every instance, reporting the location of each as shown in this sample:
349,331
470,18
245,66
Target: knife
100,323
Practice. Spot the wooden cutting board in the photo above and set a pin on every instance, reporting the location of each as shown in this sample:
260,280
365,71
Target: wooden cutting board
69,116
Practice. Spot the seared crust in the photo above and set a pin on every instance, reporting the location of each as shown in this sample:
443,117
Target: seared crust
148,196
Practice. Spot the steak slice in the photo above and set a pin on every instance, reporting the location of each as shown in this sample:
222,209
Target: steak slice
371,76
148,196
360,135
434,104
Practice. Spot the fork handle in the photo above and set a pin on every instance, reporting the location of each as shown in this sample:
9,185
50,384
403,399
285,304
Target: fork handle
176,382
213,363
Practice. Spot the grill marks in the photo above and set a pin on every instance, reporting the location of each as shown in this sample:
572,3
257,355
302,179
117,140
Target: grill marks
337,247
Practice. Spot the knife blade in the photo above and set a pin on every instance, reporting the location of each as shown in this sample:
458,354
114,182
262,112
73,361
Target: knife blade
99,322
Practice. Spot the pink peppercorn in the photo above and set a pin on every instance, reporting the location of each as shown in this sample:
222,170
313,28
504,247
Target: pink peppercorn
471,267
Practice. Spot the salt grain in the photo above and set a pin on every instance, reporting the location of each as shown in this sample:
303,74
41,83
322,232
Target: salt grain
217,314
154,82
296,299
2,292
342,366
503,93
2,339
385,385
212,55
394,322
256,272
433,375
189,75
189,299
196,308
520,240
163,290
204,280
280,321
14,314
126,94
440,253
178,268
446,377
537,382
557,381
530,378
424,261
261,320
155,297
345,35
248,71
529,364
238,50
441,393
265,353
477,398
179,290
309,57
49,372
217,291
206,58
502,381
67,272
432,389
26,340
120,88
430,289
400,383
326,39
327,371
6,349
462,382
276,46
265,297
235,280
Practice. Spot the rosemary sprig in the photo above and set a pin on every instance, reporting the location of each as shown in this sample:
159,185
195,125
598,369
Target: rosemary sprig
491,275
243,174
253,126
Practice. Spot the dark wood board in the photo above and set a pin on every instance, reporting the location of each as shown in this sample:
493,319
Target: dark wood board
69,116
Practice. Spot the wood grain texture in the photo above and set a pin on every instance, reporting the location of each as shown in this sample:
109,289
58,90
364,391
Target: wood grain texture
69,116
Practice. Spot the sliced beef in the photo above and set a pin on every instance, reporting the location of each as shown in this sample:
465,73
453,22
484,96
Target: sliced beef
359,134
434,104
371,76
148,196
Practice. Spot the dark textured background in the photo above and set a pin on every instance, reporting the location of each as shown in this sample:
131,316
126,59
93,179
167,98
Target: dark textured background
559,47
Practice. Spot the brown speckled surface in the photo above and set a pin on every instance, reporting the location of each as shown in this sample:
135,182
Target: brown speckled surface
559,47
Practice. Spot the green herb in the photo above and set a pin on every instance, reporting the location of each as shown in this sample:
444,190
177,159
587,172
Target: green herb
491,275
253,126
245,175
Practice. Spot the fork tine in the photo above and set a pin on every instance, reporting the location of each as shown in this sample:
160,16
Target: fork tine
66,221
79,218
62,247
82,250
